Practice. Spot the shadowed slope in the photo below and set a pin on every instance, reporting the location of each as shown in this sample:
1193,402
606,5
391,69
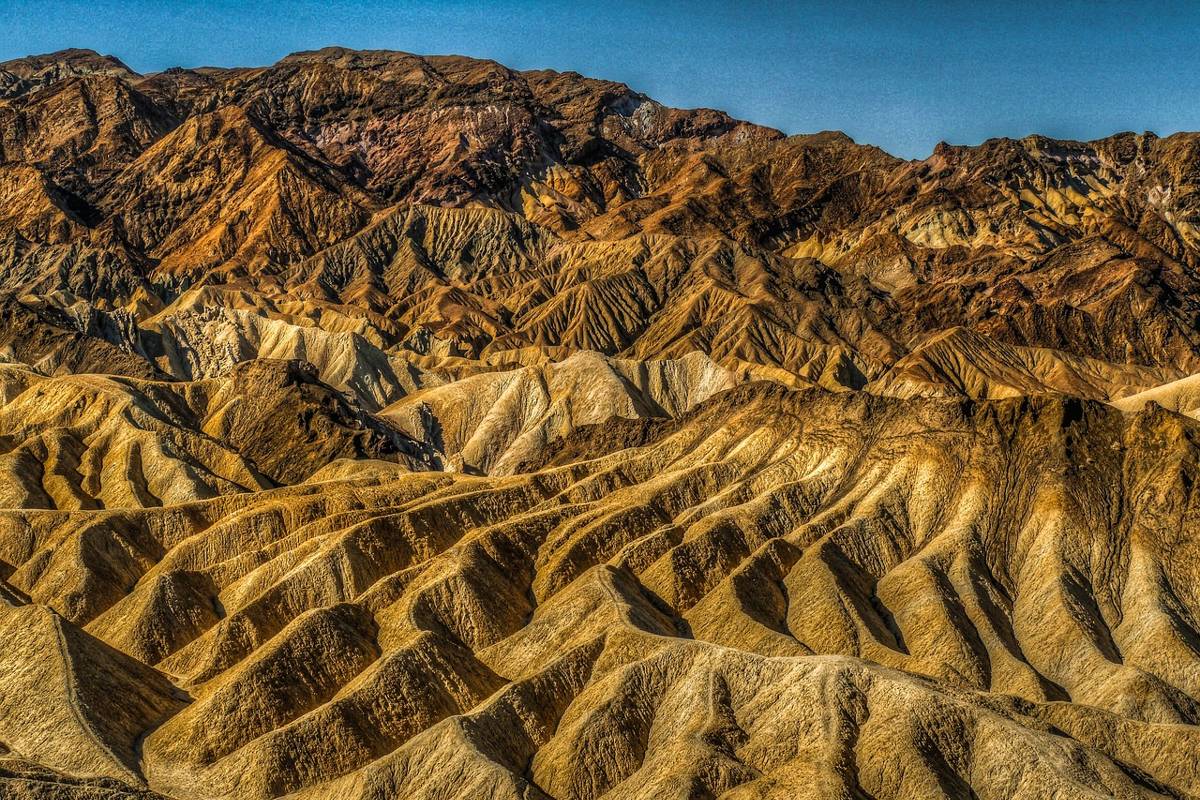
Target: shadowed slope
93,441
454,207
985,545
376,425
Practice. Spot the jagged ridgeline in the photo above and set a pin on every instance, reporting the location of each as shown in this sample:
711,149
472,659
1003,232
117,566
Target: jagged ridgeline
384,426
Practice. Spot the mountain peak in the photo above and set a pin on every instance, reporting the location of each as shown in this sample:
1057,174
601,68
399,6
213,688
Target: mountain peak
383,425
71,61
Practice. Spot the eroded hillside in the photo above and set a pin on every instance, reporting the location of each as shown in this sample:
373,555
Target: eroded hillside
375,425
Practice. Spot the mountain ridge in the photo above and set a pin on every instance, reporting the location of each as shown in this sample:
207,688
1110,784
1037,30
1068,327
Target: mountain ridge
384,425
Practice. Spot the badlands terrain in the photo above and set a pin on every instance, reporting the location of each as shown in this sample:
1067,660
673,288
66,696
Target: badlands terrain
383,426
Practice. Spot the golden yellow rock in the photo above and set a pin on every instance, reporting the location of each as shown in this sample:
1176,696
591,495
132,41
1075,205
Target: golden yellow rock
381,426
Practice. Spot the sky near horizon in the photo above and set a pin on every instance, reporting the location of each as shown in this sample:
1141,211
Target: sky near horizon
900,75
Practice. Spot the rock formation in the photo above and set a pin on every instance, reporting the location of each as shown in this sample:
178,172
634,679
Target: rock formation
376,425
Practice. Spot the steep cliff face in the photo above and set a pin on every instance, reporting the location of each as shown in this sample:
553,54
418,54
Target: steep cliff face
375,425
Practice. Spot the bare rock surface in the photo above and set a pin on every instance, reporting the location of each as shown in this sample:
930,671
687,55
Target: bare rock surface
375,425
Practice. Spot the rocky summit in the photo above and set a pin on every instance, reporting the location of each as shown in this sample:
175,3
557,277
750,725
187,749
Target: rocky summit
385,426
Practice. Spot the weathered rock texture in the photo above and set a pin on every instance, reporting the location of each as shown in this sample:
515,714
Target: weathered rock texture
382,426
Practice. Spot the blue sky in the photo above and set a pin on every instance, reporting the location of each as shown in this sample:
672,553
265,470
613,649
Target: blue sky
901,75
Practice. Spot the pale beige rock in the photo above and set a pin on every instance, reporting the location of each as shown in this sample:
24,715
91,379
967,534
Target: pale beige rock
773,594
376,425
496,421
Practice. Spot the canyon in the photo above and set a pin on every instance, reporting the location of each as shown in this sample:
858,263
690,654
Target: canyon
375,425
